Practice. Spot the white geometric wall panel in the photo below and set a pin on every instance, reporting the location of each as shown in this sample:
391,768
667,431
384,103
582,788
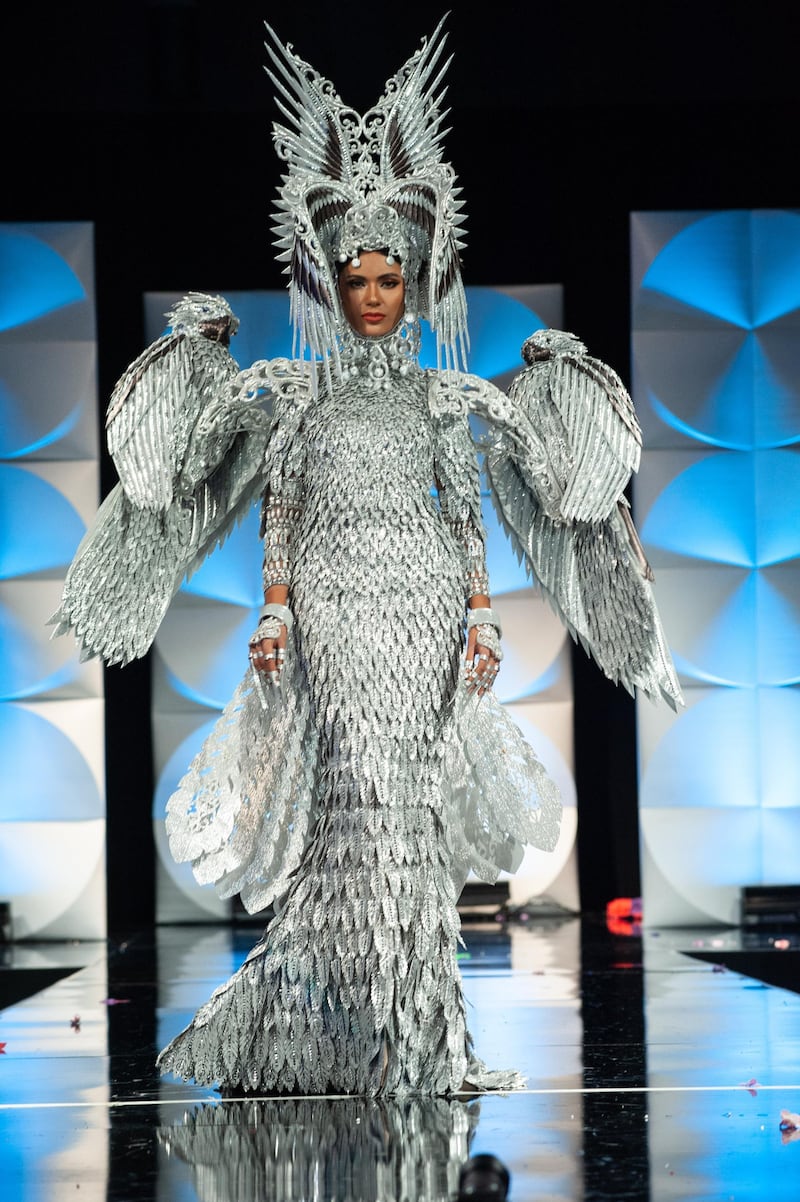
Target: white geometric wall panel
716,381
52,791
201,649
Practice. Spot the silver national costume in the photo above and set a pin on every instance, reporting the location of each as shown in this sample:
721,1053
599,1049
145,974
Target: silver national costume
356,797
355,986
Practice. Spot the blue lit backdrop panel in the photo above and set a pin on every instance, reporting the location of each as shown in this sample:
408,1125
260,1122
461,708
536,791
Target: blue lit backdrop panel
716,379
201,648
52,796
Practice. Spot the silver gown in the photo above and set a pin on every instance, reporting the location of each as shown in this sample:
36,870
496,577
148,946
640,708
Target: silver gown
357,797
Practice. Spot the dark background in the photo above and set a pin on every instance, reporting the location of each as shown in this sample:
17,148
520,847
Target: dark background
152,120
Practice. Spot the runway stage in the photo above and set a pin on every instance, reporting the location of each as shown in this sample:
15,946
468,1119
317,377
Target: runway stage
652,1073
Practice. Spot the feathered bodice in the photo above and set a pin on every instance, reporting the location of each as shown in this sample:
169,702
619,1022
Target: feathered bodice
369,452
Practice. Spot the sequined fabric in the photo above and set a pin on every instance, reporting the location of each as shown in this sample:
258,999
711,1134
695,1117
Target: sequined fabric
361,795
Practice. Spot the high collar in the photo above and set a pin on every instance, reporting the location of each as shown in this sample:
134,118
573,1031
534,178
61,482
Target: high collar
380,360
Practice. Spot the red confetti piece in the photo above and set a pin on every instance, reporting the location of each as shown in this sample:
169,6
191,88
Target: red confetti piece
75,1022
2,1049
751,1086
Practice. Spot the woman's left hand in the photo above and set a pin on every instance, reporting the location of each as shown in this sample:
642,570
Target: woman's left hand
481,666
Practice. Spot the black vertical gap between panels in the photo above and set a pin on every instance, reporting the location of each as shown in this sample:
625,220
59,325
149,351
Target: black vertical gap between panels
606,785
130,850
132,1049
616,1156
596,278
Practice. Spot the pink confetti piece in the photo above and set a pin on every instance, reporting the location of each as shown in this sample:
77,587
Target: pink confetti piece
115,1001
751,1086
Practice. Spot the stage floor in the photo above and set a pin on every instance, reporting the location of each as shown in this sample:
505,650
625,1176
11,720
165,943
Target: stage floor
651,1074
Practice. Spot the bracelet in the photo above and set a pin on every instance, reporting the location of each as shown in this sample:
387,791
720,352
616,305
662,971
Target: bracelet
282,612
483,617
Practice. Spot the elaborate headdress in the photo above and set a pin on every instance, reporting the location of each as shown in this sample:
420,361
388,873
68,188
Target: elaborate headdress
371,182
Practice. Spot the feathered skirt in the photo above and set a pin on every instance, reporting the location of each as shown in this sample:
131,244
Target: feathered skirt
355,800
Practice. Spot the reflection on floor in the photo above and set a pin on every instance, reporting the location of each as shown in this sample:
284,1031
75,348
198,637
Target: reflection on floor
652,1074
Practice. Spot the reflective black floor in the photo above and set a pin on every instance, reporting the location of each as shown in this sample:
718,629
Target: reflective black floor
652,1073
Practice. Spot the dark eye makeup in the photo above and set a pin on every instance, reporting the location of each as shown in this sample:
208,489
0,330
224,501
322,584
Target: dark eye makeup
358,281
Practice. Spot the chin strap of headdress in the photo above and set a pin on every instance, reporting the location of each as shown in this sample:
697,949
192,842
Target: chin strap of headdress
368,182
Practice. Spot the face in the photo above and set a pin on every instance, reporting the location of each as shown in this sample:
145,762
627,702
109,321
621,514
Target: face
372,294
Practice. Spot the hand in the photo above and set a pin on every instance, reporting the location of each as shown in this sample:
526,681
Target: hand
267,655
481,665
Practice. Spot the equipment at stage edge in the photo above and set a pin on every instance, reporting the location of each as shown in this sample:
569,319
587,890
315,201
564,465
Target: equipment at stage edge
483,1178
481,902
771,907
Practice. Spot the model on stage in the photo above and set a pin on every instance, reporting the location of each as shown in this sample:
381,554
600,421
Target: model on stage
363,767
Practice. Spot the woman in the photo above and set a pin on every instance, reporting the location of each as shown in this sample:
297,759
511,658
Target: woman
355,987
364,767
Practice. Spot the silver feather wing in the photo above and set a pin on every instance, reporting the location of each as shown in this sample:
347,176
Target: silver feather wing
594,437
134,558
592,575
147,423
592,572
158,401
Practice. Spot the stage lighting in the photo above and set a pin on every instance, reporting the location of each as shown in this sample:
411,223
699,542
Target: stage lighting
483,1178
